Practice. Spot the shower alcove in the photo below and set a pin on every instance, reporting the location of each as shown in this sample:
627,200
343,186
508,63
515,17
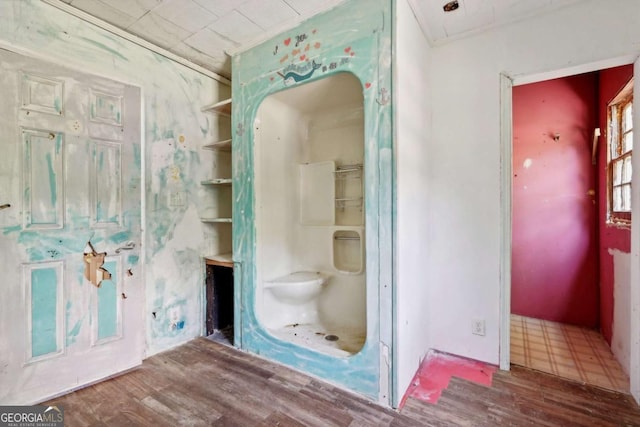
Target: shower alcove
312,198
308,165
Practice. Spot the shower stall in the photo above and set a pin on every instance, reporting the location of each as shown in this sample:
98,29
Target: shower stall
313,198
308,165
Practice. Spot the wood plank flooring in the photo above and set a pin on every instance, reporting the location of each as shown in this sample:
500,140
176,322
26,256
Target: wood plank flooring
207,383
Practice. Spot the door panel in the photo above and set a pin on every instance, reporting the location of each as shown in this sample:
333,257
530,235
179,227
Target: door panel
70,171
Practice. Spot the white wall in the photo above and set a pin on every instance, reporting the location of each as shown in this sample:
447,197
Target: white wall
287,136
464,162
337,134
621,335
279,131
412,104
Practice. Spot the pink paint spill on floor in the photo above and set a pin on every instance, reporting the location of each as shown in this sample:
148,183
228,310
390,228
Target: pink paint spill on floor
437,369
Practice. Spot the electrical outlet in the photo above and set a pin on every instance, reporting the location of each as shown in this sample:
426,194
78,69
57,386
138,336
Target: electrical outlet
478,327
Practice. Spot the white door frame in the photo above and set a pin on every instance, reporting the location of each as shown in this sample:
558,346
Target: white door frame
506,155
634,344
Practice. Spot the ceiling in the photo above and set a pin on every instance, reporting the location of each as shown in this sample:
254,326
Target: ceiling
203,31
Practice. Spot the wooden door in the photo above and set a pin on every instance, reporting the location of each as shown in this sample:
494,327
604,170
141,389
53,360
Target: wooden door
70,173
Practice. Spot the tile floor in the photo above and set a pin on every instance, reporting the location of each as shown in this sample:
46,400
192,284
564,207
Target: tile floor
567,351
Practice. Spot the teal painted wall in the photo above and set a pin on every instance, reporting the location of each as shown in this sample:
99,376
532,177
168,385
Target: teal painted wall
355,37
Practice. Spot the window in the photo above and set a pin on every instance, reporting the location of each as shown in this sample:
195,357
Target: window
620,151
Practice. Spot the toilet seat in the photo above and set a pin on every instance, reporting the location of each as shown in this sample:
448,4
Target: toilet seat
301,277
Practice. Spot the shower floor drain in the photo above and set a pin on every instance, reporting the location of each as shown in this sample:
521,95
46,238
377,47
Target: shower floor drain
331,338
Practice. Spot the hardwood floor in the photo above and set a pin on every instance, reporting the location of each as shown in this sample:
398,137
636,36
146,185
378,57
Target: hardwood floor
207,383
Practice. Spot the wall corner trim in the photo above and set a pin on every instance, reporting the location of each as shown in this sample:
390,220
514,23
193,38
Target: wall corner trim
506,87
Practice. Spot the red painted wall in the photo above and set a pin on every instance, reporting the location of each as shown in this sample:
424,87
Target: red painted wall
610,83
554,245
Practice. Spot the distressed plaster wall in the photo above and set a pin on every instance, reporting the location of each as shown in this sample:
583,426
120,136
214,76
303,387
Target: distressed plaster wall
174,128
621,321
463,267
615,241
554,242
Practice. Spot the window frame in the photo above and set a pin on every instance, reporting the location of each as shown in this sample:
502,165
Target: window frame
616,134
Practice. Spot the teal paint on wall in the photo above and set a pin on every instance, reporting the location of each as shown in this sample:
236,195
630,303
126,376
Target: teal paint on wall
173,318
108,303
104,47
172,178
172,96
354,37
156,325
44,298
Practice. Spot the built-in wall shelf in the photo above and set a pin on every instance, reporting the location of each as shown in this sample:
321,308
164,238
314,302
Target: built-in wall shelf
348,169
223,260
349,202
218,145
223,108
349,194
217,220
217,181
217,210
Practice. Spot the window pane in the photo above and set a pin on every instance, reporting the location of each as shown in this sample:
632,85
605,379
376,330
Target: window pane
613,132
626,170
626,198
627,142
617,172
627,117
617,199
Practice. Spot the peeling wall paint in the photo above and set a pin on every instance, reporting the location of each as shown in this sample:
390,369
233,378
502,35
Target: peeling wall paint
354,37
621,322
554,221
174,128
610,82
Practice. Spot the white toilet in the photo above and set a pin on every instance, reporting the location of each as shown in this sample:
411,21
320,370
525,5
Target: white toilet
299,287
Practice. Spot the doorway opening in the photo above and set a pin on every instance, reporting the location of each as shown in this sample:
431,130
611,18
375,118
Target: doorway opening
219,304
569,261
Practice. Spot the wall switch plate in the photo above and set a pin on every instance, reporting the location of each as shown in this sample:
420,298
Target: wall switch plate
478,327
176,198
